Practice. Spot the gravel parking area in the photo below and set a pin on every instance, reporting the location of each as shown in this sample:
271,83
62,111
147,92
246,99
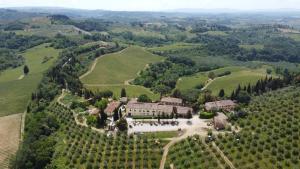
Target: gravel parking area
152,125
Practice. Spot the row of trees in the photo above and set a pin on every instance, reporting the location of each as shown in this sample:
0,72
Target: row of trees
242,94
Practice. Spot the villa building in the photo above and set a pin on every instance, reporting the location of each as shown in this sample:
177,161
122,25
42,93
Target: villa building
156,109
225,105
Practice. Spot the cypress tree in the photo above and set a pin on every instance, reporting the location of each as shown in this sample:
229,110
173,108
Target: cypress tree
222,93
123,92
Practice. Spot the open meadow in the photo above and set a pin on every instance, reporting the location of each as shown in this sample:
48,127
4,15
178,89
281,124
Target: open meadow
239,75
231,82
118,67
16,89
114,71
132,91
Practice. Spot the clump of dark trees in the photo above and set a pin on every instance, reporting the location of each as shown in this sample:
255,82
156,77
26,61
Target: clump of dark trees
161,77
10,44
242,94
9,59
20,42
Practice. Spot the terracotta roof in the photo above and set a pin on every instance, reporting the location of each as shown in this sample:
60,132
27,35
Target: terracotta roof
220,121
219,104
183,110
112,106
171,100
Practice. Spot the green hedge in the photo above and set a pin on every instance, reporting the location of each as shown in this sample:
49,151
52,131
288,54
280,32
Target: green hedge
206,115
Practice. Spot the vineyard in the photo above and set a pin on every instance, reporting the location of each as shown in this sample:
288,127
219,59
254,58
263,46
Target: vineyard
80,147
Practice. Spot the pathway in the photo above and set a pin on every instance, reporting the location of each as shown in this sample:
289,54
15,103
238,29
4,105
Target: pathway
95,63
63,94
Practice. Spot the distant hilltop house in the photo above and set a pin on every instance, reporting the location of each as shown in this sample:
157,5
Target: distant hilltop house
225,105
220,121
111,107
167,107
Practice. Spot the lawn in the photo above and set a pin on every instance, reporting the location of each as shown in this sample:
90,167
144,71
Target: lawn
118,67
132,91
14,92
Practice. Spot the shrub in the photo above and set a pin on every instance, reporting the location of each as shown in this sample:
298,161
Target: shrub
206,115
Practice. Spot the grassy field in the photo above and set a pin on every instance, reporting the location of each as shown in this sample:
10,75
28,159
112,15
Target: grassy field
190,82
118,67
175,46
239,75
216,33
132,91
242,77
15,91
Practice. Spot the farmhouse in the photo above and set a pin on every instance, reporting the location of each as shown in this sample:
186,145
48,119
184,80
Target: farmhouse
220,121
156,109
111,107
171,101
226,105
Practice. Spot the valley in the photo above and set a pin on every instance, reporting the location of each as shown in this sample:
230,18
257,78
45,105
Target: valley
93,89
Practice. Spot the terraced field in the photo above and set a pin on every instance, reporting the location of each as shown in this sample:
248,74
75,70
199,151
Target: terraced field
15,89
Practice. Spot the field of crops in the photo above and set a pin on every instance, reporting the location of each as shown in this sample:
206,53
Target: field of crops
15,90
